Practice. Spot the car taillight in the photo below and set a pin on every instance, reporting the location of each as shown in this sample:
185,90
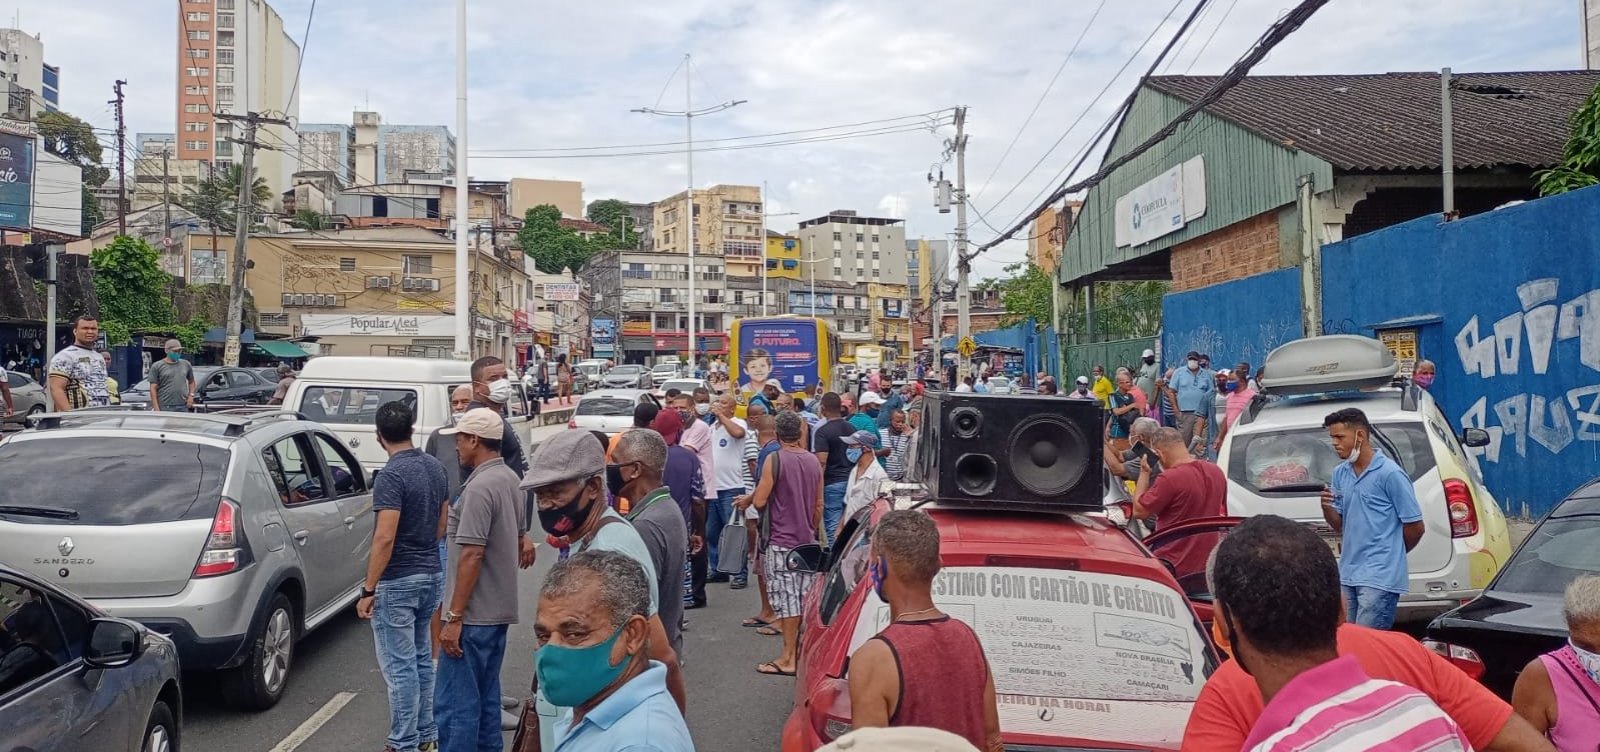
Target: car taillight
572,423
830,709
224,551
1463,658
1463,513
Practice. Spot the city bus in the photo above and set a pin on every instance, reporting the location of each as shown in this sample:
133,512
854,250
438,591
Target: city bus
798,351
869,357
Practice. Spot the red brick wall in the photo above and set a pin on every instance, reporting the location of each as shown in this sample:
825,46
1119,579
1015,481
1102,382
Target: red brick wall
1240,250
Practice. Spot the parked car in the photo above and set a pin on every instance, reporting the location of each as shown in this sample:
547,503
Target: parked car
627,376
1021,576
660,373
76,679
1278,457
215,386
608,410
682,385
28,397
1000,385
1519,615
232,534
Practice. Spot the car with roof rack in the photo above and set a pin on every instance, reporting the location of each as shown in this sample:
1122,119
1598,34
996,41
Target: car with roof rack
233,533
1277,458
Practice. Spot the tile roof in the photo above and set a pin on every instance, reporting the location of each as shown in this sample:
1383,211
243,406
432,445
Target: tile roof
1390,121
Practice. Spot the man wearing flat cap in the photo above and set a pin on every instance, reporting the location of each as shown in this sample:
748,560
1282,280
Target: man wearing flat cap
567,477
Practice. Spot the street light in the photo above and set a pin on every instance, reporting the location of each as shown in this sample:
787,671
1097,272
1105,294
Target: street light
689,113
764,244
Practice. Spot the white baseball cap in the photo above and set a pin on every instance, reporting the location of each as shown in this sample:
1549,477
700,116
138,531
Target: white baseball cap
480,422
870,397
1148,353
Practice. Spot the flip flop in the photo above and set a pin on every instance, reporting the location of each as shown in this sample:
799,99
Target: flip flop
762,669
754,622
768,631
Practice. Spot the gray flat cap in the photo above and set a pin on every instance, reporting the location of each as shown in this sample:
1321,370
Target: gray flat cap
572,454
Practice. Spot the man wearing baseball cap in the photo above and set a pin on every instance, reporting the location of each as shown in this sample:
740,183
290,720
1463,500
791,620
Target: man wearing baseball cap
1081,390
481,586
567,477
768,395
867,476
1145,379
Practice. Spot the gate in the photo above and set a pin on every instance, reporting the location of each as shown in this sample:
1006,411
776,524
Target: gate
1123,352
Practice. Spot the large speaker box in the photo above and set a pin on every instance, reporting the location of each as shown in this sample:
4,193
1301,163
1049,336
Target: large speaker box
1020,451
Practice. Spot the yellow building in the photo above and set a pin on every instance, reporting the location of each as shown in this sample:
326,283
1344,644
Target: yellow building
891,316
784,256
1049,235
728,224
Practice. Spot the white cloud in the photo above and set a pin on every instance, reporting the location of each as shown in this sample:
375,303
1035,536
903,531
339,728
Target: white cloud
566,74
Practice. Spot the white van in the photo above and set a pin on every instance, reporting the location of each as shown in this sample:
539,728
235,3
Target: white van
344,392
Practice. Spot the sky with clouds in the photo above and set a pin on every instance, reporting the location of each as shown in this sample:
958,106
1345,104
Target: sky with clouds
548,75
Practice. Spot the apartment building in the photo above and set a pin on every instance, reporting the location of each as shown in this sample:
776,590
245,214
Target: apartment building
784,257
370,152
648,293
566,195
727,224
235,57
862,250
158,172
22,65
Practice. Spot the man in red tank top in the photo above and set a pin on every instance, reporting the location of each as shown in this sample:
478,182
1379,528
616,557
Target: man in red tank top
925,668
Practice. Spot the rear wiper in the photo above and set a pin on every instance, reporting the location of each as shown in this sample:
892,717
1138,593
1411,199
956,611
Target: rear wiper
59,513
1296,487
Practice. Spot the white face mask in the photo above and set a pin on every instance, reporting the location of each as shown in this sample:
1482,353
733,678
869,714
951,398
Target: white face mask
703,408
500,391
1589,661
455,417
1355,451
1194,364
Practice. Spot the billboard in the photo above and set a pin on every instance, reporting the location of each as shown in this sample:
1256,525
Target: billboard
603,335
775,349
561,291
16,181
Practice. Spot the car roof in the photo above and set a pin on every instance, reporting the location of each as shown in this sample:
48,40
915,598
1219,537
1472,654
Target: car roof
379,368
666,364
1037,534
629,366
217,429
1584,500
1382,405
614,393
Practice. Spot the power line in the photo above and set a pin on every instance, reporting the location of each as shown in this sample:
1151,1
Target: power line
886,131
304,40
1275,34
929,116
1214,31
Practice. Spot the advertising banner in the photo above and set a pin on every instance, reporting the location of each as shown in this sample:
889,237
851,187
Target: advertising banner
561,291
377,325
16,181
782,350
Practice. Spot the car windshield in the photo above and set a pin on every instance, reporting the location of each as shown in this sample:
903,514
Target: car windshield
996,381
1300,461
626,371
606,406
682,385
109,480
1557,551
665,367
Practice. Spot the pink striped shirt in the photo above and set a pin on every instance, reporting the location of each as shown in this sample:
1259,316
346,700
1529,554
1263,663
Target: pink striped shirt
1336,707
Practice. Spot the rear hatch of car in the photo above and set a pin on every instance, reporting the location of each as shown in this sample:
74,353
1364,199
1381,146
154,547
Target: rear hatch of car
1282,471
608,413
109,516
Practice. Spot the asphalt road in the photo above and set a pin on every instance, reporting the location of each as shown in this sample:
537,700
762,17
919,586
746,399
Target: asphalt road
336,697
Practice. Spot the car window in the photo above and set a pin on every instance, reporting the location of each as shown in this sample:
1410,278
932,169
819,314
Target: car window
1556,552
1301,460
15,380
31,643
351,405
105,480
848,567
217,381
298,479
74,625
347,476
241,378
606,406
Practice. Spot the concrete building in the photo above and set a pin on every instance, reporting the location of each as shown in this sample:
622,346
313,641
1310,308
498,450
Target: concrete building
158,173
846,305
1049,235
784,257
647,293
862,249
327,147
727,224
369,152
1591,33
927,268
235,57
22,65
557,308
566,195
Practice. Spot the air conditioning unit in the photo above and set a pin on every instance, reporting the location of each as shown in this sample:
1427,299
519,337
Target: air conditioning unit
287,299
297,299
379,283
419,284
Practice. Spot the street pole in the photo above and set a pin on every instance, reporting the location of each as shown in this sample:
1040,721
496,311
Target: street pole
50,252
963,263
463,321
1448,137
763,247
166,198
122,172
241,229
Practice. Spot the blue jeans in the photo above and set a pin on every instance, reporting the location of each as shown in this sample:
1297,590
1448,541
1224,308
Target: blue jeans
1370,607
401,611
833,508
717,517
467,694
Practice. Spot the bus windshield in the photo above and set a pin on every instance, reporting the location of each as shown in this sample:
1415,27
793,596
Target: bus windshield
794,350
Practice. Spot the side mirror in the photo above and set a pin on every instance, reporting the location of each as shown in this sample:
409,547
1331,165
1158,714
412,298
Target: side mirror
1475,437
113,643
806,558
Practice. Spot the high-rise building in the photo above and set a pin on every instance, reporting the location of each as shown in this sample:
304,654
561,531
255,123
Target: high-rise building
862,249
158,174
1591,33
235,57
367,152
927,270
727,224
22,65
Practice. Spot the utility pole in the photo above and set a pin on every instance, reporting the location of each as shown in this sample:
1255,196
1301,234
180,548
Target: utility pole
963,261
50,253
241,228
464,312
166,196
1449,157
122,173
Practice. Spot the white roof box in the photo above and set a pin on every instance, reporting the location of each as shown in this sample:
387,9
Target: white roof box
1336,362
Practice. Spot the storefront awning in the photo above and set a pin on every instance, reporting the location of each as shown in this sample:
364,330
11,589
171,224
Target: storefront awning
280,349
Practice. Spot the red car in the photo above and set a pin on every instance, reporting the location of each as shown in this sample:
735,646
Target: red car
1089,635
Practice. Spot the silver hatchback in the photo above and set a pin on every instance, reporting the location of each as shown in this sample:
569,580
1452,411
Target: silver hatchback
232,534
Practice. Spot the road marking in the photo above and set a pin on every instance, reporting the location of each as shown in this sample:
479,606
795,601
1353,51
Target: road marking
315,723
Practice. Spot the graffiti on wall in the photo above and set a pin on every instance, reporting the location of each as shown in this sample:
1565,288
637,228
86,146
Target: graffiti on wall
1524,343
1248,342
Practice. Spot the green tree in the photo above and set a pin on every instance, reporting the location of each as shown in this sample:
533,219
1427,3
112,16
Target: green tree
91,211
613,214
1027,294
73,140
215,199
133,291
1123,310
1580,161
307,219
552,247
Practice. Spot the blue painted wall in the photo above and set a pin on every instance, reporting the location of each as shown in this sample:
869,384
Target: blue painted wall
1038,351
1239,320
1509,310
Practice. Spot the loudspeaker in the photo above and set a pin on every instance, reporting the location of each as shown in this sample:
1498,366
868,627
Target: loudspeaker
1012,451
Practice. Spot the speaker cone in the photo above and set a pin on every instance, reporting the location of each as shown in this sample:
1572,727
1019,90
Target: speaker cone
966,422
976,474
1047,455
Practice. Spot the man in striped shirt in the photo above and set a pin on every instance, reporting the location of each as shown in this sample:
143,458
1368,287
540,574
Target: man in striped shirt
1276,586
896,442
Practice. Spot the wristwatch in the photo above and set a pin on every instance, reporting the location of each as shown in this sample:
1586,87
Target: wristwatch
365,593
450,617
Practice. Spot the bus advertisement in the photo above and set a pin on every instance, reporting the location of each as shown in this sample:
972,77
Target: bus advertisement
795,350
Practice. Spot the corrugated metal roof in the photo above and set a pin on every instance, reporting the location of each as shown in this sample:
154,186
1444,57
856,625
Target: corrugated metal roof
1391,121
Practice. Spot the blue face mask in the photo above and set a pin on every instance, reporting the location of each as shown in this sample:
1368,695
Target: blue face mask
174,356
572,676
1230,386
853,454
875,574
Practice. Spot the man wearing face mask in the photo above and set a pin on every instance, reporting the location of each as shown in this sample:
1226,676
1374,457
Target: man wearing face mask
924,669
481,588
594,657
681,474
491,389
172,381
1191,390
636,473
568,483
1372,507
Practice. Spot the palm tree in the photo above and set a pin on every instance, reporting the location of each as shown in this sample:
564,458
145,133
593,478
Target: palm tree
215,199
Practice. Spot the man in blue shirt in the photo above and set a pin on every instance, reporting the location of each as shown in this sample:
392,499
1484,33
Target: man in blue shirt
1191,389
592,629
1372,507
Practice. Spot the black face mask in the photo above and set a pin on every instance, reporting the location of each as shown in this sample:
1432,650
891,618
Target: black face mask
614,481
566,518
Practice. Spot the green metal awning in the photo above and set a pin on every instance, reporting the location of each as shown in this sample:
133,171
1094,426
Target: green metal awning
280,349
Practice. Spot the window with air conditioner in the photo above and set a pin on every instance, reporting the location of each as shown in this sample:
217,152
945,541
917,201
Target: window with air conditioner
379,283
